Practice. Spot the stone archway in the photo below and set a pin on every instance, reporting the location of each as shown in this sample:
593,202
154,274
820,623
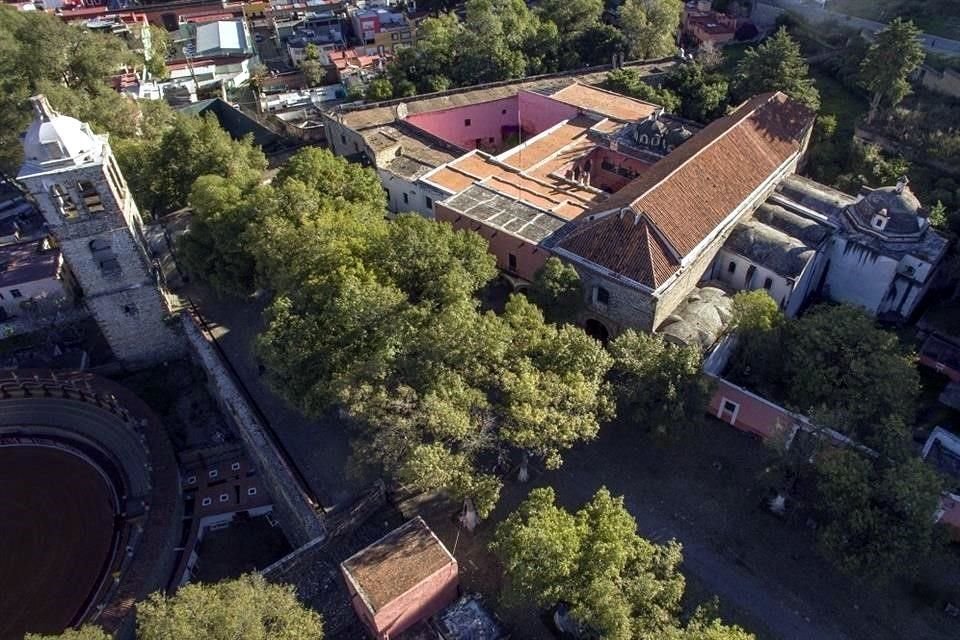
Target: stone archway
596,329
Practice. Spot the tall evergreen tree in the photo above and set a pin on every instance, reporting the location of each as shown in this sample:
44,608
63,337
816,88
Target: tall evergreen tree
776,65
895,53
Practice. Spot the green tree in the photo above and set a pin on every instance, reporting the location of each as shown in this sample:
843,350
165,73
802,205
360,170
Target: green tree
894,54
650,26
86,632
617,583
836,358
630,82
755,311
155,57
163,175
702,94
776,65
571,16
313,72
659,385
333,177
595,45
379,89
79,62
248,607
214,248
757,360
876,516
557,291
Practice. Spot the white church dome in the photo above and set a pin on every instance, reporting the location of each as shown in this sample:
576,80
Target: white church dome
52,137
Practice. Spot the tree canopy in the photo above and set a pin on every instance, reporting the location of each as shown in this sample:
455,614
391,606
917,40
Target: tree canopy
894,54
617,584
776,65
556,289
86,632
703,93
650,26
380,318
659,385
248,607
39,53
630,82
876,514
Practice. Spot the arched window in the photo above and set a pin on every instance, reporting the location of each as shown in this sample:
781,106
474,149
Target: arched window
656,140
643,139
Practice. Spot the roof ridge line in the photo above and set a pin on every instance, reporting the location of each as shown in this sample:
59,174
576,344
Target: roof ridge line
726,130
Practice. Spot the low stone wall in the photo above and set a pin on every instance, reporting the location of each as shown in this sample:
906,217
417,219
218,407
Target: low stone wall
296,511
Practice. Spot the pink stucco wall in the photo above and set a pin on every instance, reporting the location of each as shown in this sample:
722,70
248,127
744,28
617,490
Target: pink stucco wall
426,599
753,413
951,514
611,180
537,112
501,244
489,122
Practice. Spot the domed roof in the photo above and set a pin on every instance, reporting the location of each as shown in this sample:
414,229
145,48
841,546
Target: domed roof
53,137
902,209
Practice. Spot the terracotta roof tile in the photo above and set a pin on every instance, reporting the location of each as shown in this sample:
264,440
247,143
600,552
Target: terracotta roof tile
397,562
627,245
691,191
607,103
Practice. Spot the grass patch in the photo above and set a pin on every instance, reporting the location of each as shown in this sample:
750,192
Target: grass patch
936,17
849,106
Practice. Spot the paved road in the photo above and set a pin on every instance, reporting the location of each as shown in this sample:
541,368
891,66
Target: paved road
812,12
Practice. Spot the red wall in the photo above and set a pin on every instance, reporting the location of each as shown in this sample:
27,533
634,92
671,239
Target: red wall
537,112
426,599
529,257
754,414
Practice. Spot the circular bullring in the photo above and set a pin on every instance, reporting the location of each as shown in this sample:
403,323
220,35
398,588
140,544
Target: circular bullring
90,503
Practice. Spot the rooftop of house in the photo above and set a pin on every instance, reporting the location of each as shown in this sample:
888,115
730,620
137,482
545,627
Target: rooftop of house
682,199
500,211
942,451
396,563
221,36
27,262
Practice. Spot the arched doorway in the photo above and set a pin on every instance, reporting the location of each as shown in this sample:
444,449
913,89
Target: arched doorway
595,329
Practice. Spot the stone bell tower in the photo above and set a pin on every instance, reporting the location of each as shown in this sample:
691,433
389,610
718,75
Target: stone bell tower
73,176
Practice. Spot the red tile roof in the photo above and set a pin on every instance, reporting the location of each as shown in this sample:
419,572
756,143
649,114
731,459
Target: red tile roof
689,193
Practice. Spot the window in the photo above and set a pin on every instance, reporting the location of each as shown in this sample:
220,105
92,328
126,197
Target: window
130,309
104,256
732,267
90,196
213,473
15,293
343,138
490,140
429,202
601,296
466,122
63,202
224,497
503,112
656,140
191,479
728,411
512,262
206,502
252,491
394,36
235,466
406,198
767,283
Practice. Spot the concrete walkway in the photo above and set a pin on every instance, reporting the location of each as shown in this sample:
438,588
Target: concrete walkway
813,12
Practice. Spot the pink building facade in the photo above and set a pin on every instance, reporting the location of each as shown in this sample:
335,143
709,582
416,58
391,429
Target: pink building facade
515,256
405,577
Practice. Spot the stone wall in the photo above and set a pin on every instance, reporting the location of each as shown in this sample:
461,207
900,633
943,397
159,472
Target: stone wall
629,306
297,512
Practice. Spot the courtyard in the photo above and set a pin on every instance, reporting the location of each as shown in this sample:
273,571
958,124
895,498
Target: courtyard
703,489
